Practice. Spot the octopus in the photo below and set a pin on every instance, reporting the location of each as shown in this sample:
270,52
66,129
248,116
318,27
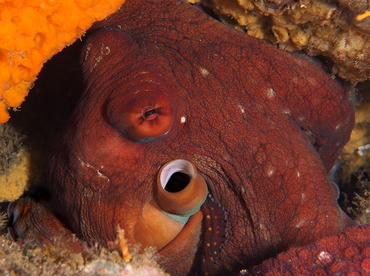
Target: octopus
209,145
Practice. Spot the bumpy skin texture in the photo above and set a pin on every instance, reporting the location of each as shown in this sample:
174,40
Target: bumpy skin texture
263,128
347,253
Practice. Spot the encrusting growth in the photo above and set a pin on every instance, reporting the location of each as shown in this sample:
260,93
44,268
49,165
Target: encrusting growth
31,32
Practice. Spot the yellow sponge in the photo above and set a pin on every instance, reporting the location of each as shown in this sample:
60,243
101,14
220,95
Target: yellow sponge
31,32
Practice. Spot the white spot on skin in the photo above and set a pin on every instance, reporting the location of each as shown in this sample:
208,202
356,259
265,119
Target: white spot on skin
101,175
301,119
270,93
97,60
88,48
270,171
242,110
87,165
264,231
337,126
143,73
298,174
325,257
183,119
299,224
286,111
303,196
104,51
204,71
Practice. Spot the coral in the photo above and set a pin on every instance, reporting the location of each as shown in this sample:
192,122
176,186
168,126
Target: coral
355,171
338,30
18,259
3,220
14,163
33,31
11,143
15,181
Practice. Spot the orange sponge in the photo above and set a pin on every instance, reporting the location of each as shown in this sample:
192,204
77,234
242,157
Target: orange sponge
33,31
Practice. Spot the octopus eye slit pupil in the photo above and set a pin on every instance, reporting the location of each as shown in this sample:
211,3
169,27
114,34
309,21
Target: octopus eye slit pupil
149,113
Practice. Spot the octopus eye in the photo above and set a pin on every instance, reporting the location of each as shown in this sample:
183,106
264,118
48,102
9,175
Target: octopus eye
142,115
149,113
